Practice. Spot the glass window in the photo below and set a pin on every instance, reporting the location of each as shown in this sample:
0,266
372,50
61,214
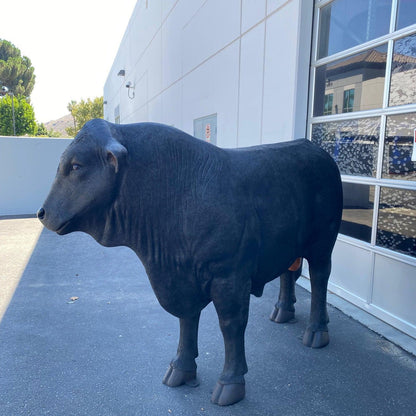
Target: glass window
348,101
399,160
406,14
363,72
352,143
403,72
396,228
357,215
328,100
347,23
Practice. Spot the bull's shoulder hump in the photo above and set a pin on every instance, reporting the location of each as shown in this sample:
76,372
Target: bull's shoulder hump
163,134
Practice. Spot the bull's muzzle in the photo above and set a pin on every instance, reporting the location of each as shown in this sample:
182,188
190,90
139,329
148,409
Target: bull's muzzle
41,214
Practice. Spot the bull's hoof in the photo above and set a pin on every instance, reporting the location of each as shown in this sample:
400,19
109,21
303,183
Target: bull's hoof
315,339
175,377
282,316
226,394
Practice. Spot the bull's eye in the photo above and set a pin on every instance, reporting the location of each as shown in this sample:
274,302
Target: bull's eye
75,166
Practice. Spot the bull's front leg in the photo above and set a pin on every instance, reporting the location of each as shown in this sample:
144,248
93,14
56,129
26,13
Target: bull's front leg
182,369
232,303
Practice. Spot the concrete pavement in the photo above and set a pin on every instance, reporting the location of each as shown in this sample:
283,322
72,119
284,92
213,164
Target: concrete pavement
83,334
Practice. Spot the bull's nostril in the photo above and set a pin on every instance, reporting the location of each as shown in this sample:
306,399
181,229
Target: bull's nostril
41,213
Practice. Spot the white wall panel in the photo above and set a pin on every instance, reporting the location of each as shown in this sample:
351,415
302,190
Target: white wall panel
155,109
187,9
272,5
172,105
279,76
253,11
167,6
138,116
141,94
172,48
213,88
144,25
110,107
153,63
251,87
212,27
352,276
395,288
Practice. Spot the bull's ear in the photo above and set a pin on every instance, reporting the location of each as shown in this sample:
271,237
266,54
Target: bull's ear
115,154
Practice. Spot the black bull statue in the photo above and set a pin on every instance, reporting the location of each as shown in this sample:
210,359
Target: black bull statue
208,224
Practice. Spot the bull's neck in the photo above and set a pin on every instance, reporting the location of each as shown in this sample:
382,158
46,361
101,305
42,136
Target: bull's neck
113,227
128,223
149,206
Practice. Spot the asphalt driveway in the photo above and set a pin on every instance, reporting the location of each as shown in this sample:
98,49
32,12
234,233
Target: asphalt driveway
83,334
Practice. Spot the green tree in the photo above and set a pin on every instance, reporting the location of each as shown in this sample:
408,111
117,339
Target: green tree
84,111
23,114
42,131
16,71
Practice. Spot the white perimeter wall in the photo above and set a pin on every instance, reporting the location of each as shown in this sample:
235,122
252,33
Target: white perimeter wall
245,60
27,169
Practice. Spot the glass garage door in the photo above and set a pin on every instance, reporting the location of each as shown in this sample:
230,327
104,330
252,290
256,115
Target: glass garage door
362,111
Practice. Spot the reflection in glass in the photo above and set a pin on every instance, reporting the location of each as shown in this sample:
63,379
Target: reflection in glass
396,228
359,79
352,143
398,147
348,100
328,103
357,215
347,23
406,14
403,72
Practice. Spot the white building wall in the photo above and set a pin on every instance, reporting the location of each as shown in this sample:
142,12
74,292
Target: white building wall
192,58
247,61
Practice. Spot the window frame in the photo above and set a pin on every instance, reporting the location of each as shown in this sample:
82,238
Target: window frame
378,181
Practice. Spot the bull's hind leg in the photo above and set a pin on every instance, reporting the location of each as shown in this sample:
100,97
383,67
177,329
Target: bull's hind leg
284,310
316,334
231,303
182,369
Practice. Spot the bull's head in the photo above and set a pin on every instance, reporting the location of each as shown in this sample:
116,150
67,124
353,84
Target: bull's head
86,180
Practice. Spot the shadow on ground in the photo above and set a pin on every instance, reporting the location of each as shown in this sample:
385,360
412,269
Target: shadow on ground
106,352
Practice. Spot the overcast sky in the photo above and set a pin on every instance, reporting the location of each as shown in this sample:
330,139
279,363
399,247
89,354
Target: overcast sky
72,45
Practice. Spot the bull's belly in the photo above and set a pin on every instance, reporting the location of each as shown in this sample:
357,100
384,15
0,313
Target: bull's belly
268,270
179,294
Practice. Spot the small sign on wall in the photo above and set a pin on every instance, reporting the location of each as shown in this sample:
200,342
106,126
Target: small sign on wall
208,132
205,128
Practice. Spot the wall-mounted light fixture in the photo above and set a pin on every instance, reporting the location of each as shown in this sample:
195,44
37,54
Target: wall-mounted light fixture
130,89
121,73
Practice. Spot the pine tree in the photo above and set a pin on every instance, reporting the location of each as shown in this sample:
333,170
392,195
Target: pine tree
16,71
